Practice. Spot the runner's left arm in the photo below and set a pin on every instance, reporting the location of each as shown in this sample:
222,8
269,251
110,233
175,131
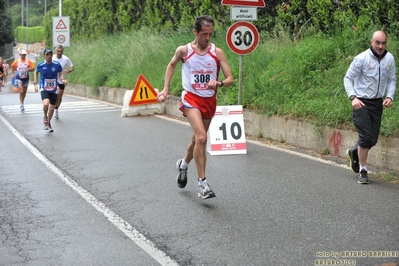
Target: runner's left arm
70,67
31,66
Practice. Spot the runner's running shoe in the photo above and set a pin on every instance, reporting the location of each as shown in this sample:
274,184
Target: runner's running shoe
353,159
205,192
45,123
50,129
363,178
182,176
22,107
56,114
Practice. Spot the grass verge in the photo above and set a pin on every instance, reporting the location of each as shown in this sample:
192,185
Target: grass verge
301,80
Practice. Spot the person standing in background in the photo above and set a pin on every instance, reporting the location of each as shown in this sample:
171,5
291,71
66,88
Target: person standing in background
201,63
370,84
64,61
6,68
20,71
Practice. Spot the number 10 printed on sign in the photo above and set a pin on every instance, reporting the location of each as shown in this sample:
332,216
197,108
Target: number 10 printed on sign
226,134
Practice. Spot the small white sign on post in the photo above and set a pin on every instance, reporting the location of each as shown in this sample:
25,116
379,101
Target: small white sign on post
243,13
61,33
226,133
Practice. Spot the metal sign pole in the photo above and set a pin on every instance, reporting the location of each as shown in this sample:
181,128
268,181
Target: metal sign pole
240,80
242,37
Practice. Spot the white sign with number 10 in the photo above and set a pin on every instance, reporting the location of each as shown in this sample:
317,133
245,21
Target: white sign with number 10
226,134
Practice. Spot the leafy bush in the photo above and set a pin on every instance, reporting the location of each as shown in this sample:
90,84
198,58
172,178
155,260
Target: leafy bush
302,80
296,71
30,34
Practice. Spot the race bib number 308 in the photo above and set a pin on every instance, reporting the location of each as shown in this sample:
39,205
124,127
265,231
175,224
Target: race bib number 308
200,79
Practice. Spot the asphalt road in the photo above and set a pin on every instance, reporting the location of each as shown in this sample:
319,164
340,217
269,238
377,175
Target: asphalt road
101,190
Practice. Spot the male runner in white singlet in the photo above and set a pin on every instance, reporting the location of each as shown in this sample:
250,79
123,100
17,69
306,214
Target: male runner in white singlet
201,63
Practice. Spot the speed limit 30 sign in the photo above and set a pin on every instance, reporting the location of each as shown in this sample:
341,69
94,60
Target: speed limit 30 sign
242,37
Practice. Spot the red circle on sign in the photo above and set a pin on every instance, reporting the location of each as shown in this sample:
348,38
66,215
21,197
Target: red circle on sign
61,38
242,37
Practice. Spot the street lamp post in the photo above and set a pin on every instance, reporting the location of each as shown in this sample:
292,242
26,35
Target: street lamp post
27,24
22,12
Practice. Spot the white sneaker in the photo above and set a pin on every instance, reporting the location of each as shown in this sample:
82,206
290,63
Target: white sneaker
50,129
205,192
56,114
45,123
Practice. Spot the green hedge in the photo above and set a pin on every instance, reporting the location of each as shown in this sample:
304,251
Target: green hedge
34,34
95,19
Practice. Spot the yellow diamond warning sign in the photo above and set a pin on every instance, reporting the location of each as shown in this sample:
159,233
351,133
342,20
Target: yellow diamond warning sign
143,92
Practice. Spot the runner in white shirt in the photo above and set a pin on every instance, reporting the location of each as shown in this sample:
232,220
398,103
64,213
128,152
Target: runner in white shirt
64,61
201,63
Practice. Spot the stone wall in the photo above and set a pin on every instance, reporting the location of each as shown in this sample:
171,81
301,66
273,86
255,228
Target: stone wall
299,133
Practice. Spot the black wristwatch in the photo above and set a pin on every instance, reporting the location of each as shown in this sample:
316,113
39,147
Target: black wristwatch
352,97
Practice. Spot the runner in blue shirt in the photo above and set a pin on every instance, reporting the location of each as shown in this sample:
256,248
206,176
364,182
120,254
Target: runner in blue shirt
49,72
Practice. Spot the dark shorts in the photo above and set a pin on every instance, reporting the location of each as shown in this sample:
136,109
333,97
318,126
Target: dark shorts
25,82
367,121
62,86
48,95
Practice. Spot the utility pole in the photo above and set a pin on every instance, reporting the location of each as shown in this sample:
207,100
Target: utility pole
27,25
22,12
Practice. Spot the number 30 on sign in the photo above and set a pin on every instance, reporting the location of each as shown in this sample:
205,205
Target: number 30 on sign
226,134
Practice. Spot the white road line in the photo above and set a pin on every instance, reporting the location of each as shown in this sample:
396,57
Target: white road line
320,160
114,218
80,107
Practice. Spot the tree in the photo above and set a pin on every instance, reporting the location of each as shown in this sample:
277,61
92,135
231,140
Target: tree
330,16
6,35
36,11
